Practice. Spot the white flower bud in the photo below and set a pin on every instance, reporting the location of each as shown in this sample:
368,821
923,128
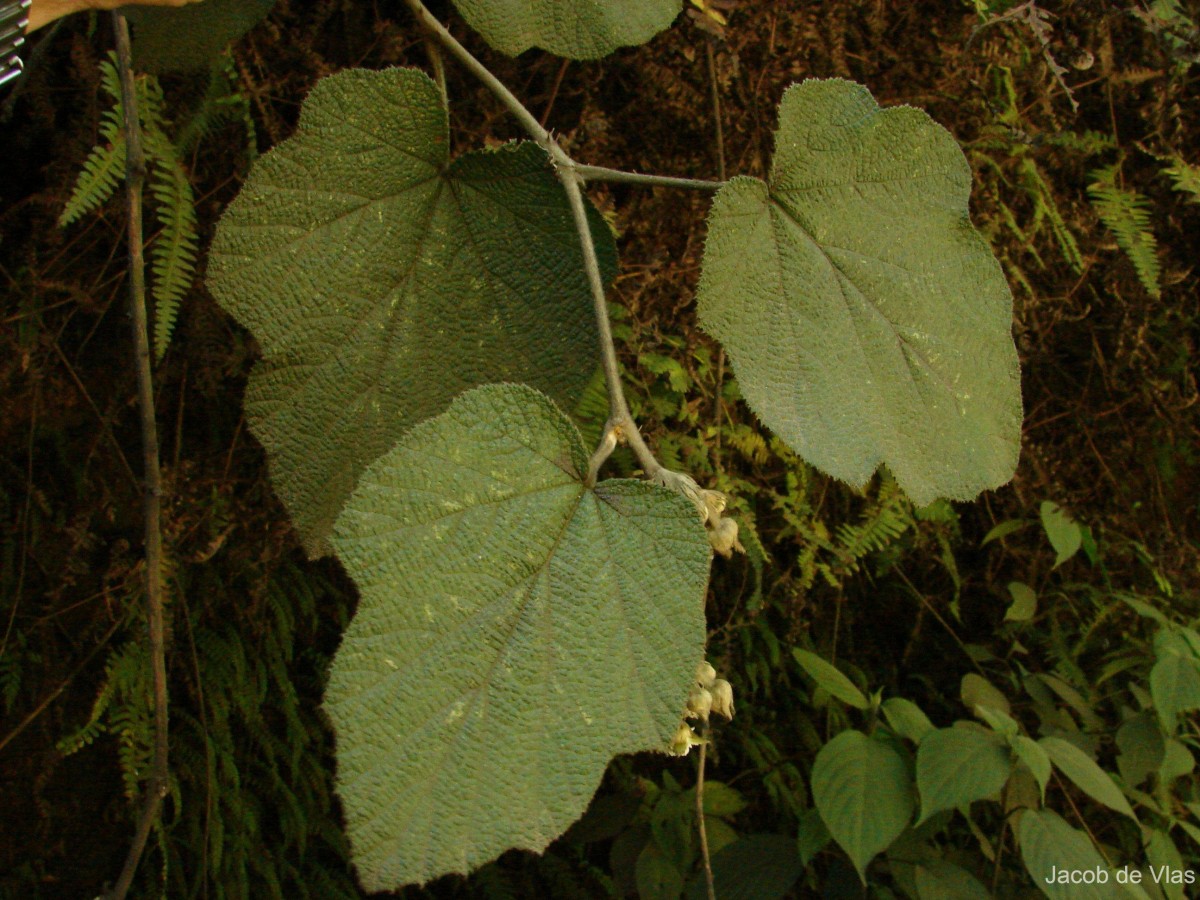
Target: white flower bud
722,698
699,703
705,674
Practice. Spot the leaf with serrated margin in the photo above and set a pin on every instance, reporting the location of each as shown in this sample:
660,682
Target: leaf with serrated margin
866,318
516,630
381,280
578,29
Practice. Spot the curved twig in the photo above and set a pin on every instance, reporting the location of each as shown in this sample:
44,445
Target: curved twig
572,176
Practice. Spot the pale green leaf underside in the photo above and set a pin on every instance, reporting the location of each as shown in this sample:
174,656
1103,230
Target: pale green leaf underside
863,790
515,631
578,29
867,320
382,280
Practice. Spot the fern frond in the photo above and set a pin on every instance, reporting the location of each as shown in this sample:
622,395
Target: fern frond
878,527
1046,208
173,254
1185,177
749,442
122,675
101,173
1087,142
105,164
1126,212
223,102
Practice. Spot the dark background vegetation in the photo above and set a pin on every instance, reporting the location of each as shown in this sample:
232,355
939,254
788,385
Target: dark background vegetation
909,602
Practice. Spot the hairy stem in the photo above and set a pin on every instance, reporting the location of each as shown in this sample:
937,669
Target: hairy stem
716,104
572,176
600,173
704,856
719,127
135,176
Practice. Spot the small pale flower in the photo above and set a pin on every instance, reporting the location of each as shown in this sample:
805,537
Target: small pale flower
722,698
705,674
685,739
714,505
723,535
699,703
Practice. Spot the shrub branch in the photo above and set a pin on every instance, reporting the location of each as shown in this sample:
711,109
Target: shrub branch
573,176
135,177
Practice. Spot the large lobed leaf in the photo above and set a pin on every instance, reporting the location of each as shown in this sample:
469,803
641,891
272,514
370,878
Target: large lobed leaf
168,39
382,280
866,318
578,29
516,629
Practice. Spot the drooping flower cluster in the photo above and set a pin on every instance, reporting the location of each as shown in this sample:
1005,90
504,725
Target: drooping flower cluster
709,695
722,532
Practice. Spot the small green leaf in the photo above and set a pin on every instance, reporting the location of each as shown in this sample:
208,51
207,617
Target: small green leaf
657,877
1142,748
672,825
515,630
906,719
577,29
978,691
382,279
1144,609
722,800
831,679
1003,530
1088,776
1052,850
1024,602
865,317
957,766
812,836
1174,679
1063,532
720,834
755,867
607,816
1177,761
863,790
1035,758
1000,723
